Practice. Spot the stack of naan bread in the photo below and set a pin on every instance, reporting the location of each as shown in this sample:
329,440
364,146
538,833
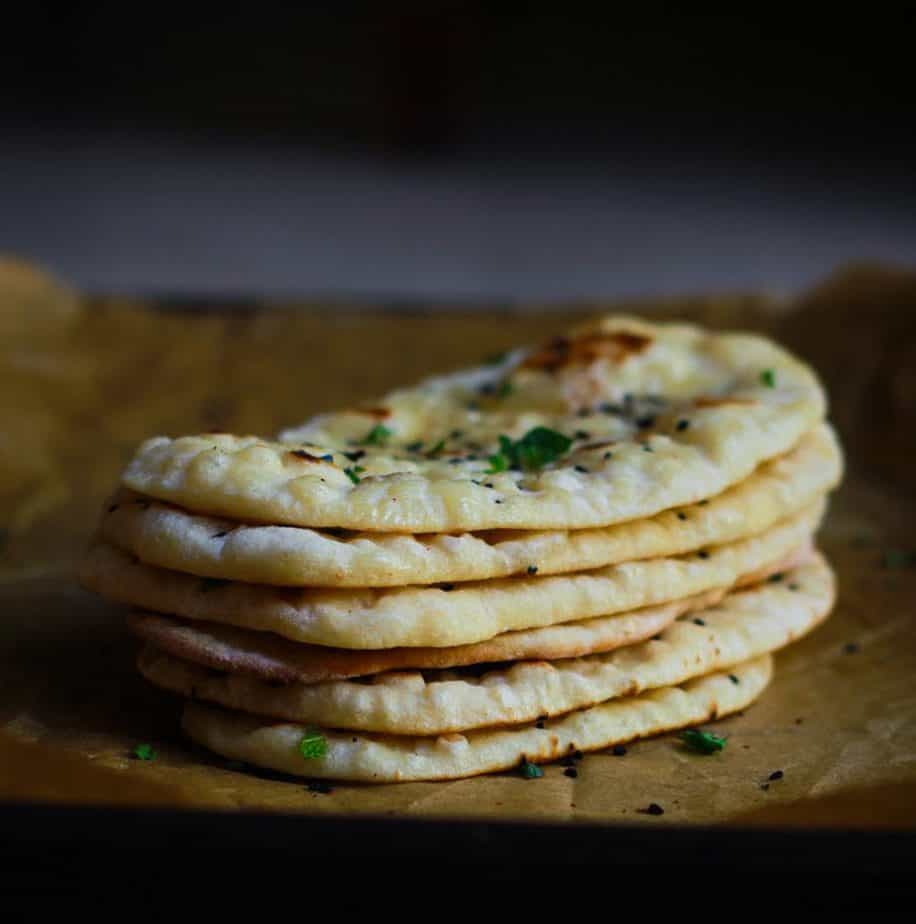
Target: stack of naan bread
567,548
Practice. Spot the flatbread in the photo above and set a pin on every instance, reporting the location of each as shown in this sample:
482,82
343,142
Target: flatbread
439,616
169,537
666,415
271,657
745,625
371,758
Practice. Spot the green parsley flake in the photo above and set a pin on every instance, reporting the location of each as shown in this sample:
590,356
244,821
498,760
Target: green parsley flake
529,770
313,744
768,377
145,752
702,742
498,463
534,450
432,453
354,473
378,435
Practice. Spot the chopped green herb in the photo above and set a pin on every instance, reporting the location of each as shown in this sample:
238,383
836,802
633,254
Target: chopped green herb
768,378
432,453
378,435
534,450
505,389
145,752
313,744
354,473
529,770
702,742
498,463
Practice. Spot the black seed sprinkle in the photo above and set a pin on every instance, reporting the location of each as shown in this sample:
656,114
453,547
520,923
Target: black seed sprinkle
645,422
681,515
850,648
539,724
446,587
775,578
497,501
532,569
699,622
734,679
703,554
794,586
764,786
656,638
320,786
112,508
619,750
703,503
489,484
583,435
571,772
647,448
682,425
776,775
225,532
653,809
582,469
357,454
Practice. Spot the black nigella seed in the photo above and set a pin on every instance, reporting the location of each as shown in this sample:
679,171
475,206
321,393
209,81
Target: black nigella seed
653,809
682,425
775,578
583,435
571,772
619,750
532,569
582,469
699,622
220,535
681,515
608,455
734,679
539,723
645,422
356,455
850,648
497,501
489,484
776,775
647,448
446,587
703,554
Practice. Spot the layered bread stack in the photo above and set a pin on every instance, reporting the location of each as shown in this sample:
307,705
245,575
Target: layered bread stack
563,549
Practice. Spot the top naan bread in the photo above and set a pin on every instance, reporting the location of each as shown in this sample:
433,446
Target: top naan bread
659,415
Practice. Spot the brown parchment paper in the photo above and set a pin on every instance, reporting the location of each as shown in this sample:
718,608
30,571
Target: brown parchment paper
83,381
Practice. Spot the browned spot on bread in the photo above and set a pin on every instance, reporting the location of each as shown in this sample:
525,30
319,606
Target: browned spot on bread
561,351
380,413
718,402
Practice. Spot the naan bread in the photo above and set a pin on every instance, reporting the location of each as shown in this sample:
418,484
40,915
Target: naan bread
660,416
745,625
371,758
439,616
169,537
271,657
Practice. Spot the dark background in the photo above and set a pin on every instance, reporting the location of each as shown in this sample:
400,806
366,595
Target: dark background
477,151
